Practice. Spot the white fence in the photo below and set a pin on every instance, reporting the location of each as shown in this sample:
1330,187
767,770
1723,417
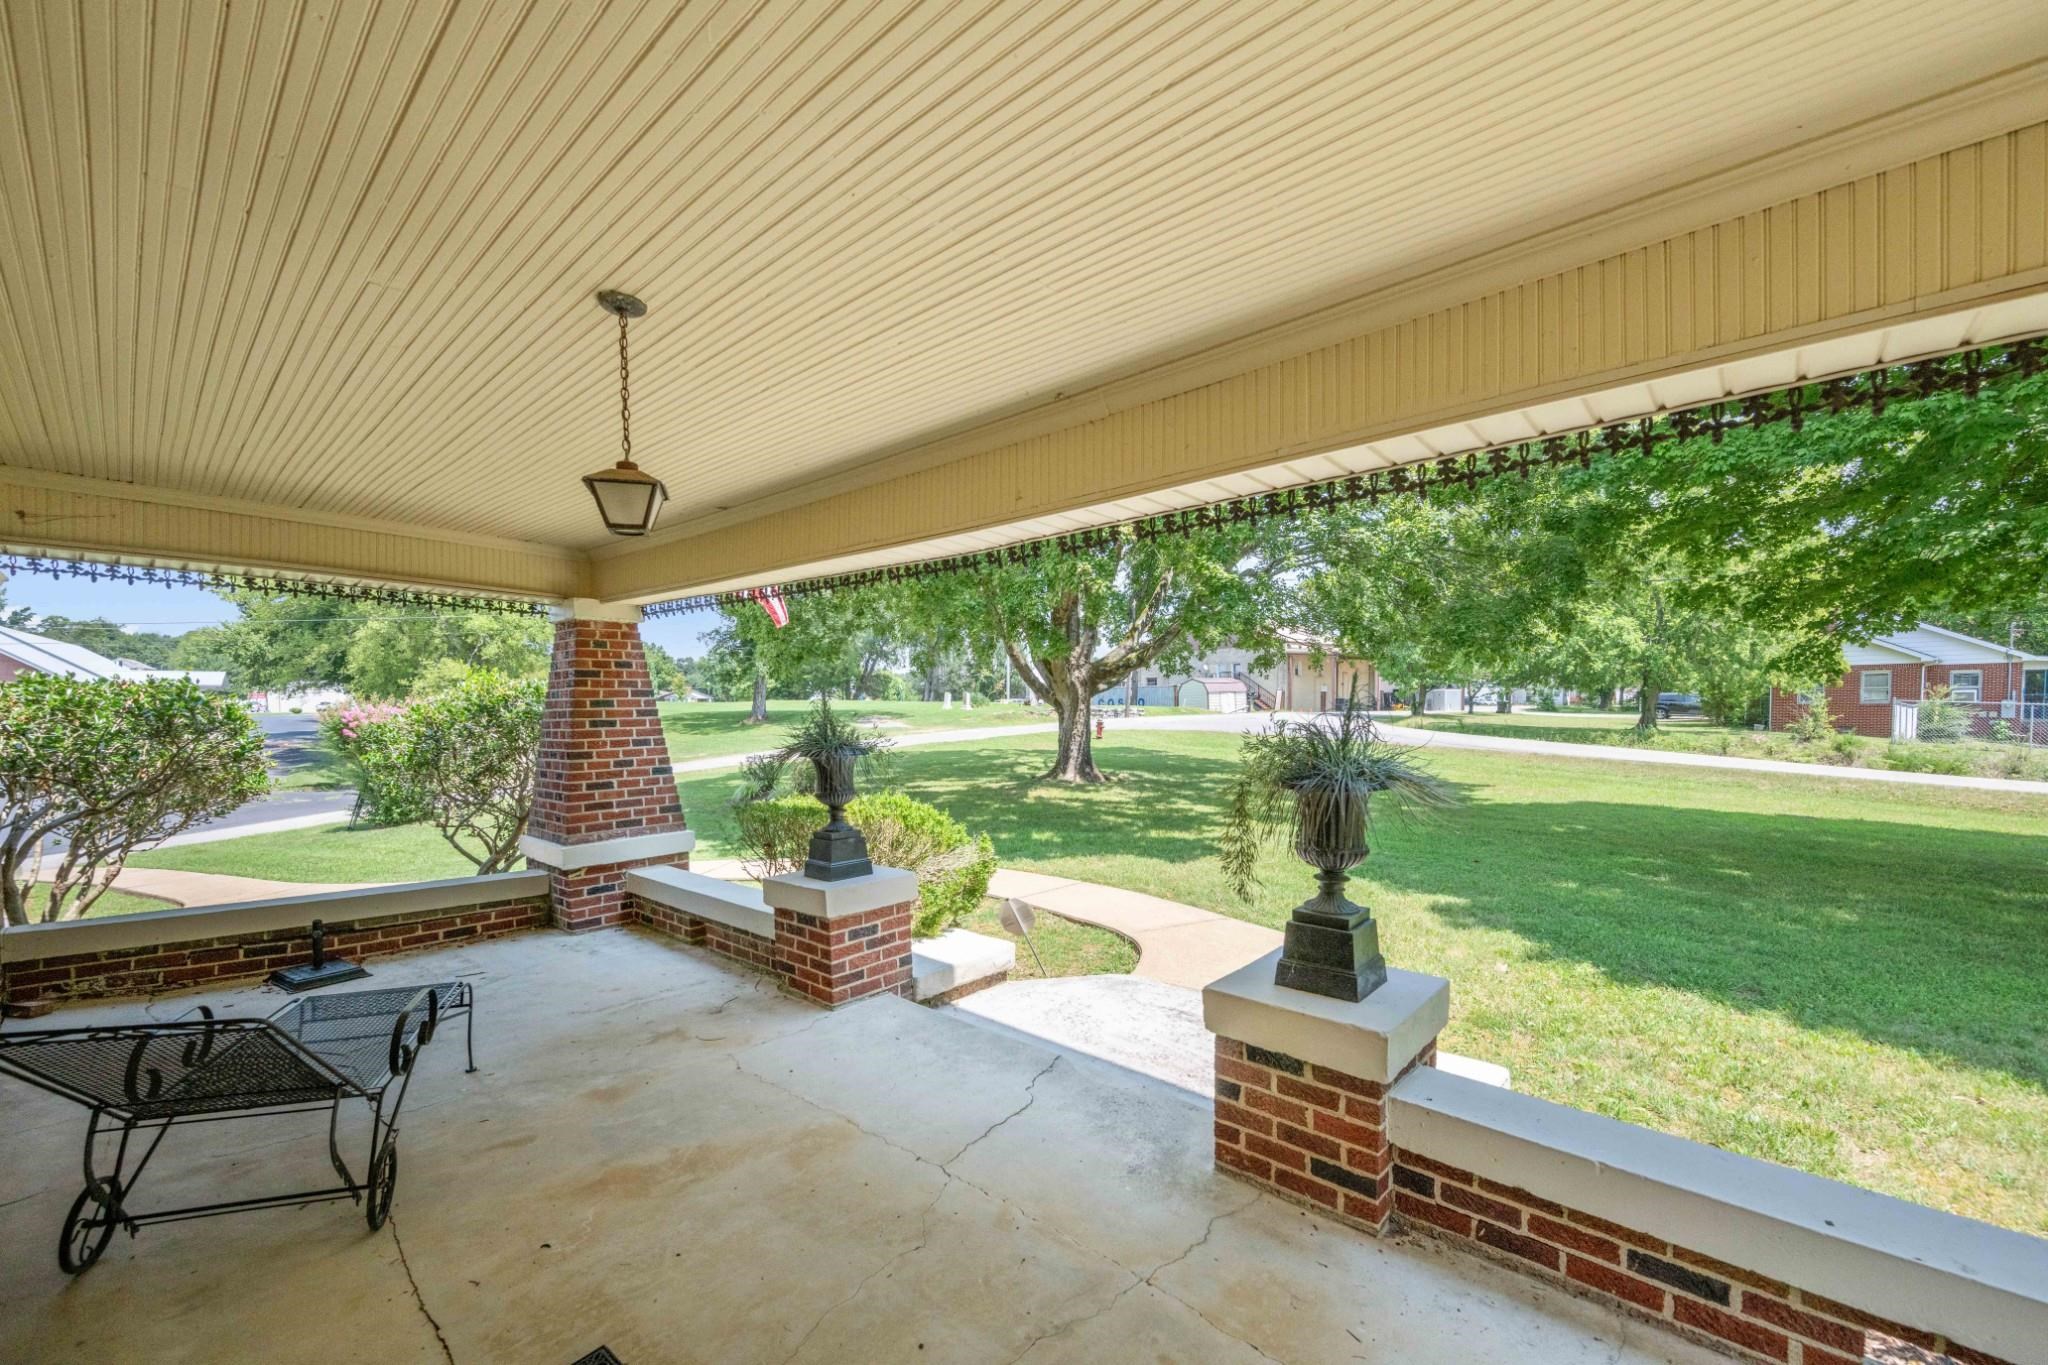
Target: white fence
1998,722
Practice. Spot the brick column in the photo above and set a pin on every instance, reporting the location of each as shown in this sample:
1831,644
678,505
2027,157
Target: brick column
1301,1083
604,794
837,942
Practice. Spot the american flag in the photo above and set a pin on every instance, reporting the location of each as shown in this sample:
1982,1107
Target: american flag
772,603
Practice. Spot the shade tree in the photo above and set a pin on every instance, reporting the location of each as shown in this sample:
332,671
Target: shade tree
1073,625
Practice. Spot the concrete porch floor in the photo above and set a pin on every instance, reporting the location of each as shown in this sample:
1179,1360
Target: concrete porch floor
662,1155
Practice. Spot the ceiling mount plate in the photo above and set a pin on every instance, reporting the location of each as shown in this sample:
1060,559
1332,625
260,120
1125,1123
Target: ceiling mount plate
625,305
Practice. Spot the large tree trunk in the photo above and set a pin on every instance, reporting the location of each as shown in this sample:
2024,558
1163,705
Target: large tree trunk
1646,706
1076,761
1419,699
759,715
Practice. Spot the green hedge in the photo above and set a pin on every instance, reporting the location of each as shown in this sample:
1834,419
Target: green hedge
953,867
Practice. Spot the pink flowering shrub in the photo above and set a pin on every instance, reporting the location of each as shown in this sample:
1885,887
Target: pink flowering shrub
360,732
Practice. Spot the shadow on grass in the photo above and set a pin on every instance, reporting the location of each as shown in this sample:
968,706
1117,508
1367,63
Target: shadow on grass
1919,938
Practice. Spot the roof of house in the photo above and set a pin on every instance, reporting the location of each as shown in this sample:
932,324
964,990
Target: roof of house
45,655
1927,643
1301,639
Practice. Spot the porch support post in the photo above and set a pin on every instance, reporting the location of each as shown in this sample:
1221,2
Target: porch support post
841,941
1301,1084
604,797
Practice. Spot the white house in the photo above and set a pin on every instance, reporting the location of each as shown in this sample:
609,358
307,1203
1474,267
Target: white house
21,652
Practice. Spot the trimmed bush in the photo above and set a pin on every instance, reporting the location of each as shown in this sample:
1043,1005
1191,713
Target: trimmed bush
1921,758
953,868
1943,720
776,832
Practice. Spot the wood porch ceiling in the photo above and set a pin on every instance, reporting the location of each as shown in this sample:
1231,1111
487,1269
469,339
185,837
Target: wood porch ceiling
338,259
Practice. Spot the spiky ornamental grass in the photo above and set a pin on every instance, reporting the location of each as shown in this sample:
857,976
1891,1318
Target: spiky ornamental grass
822,734
1296,774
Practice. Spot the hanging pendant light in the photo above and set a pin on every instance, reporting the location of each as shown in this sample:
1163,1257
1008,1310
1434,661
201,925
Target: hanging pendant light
628,498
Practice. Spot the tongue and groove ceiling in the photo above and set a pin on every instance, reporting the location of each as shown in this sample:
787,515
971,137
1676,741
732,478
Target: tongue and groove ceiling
338,256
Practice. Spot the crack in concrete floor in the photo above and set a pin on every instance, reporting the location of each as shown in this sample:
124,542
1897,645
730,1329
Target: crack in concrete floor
419,1300
1137,1278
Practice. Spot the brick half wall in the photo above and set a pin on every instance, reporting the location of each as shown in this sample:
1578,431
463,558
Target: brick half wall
1759,1260
29,984
1759,1317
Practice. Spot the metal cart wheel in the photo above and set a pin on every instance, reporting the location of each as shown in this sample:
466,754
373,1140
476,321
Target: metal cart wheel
89,1226
383,1182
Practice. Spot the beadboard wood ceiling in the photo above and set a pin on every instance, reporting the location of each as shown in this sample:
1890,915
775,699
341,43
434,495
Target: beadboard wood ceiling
338,256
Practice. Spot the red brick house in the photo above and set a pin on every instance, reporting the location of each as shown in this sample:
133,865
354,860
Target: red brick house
1893,674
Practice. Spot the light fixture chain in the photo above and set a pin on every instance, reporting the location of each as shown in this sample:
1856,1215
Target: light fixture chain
625,396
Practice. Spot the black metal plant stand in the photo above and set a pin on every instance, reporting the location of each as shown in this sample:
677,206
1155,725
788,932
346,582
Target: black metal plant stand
1331,946
138,1081
837,851
321,971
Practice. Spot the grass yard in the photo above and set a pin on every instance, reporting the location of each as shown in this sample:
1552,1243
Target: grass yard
710,729
324,853
313,766
1846,979
1681,735
1068,948
113,901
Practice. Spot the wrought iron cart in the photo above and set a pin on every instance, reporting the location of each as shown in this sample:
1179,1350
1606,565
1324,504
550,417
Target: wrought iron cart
138,1081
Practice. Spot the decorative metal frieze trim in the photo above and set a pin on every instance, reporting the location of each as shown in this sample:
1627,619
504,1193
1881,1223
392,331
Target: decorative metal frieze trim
1967,372
266,584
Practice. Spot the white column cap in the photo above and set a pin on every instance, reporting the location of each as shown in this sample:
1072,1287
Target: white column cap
590,609
1373,1039
836,900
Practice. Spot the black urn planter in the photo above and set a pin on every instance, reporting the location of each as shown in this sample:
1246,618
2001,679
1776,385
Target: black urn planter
838,851
1332,946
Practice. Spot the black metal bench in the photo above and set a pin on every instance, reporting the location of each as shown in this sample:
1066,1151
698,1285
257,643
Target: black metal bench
138,1081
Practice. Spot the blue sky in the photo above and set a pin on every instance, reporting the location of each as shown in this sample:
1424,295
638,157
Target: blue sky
175,610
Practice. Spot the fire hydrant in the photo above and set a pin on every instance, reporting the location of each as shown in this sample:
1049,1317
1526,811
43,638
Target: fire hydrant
1098,727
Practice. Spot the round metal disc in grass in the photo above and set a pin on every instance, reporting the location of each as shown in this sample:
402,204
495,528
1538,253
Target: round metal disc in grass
1017,917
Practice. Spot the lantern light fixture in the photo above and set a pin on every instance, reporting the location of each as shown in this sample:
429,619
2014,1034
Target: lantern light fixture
628,498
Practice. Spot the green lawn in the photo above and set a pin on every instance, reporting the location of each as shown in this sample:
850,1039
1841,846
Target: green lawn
1681,735
113,901
1844,977
1538,720
325,853
323,770
708,729
1066,948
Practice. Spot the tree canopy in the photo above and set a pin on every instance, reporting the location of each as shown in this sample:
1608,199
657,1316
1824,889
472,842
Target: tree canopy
91,770
1073,625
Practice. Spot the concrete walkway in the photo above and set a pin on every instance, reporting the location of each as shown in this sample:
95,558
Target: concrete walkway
1178,944
1239,722
212,888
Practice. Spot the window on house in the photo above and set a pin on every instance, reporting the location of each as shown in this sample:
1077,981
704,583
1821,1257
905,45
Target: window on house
1966,684
1875,686
2035,689
1806,698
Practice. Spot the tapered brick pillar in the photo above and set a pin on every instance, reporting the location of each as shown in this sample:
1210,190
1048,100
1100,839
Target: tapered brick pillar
1301,1083
604,797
